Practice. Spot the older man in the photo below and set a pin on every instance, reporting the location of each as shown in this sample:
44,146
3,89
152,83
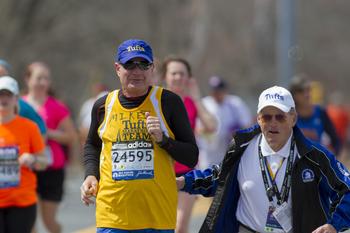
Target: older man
273,179
136,134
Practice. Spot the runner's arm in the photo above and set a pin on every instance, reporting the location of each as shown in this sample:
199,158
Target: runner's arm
93,144
330,130
183,148
201,182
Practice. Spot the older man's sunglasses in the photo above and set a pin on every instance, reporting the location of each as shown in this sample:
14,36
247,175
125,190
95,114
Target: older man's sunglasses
142,65
278,117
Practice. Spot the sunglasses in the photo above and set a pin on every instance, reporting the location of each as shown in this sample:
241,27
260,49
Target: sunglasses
278,117
142,65
303,89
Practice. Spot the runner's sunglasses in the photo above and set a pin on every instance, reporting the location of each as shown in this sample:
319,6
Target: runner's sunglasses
142,65
278,117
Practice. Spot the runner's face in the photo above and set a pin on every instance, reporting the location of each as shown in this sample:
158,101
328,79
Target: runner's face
39,80
176,77
219,95
134,82
276,126
3,71
8,102
303,96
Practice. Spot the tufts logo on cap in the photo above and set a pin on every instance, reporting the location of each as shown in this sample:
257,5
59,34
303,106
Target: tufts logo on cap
135,48
275,96
307,175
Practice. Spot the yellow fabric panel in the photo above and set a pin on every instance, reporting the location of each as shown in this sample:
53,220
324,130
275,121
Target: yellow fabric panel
137,203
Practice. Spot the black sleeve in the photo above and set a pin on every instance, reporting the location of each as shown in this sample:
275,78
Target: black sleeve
330,130
184,148
93,144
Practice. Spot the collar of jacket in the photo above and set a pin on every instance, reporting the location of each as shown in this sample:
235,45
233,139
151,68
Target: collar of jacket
244,136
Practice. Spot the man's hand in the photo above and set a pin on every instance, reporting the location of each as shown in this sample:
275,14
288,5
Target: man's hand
27,159
88,190
193,89
180,182
326,228
153,127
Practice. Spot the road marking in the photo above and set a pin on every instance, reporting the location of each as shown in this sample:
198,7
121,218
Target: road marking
201,206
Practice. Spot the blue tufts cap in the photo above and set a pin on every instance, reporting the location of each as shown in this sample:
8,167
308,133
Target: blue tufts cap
130,49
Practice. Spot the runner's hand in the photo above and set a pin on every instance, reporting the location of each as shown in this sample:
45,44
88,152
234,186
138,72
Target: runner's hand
193,89
180,182
88,190
27,159
326,228
153,127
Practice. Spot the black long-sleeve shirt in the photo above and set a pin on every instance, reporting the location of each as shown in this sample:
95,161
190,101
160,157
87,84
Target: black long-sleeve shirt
183,148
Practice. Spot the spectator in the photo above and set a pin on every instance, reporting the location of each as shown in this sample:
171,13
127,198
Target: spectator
98,90
230,112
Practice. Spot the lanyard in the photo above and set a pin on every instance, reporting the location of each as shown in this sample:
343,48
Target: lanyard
270,172
272,191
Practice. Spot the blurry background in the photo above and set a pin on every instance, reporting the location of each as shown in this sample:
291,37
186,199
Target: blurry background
234,39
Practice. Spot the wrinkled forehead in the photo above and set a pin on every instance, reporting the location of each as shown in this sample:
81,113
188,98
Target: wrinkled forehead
271,110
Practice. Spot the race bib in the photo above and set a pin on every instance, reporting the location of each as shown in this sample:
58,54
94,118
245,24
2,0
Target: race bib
132,160
9,167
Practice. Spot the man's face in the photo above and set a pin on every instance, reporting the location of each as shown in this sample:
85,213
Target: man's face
276,126
135,76
303,96
219,95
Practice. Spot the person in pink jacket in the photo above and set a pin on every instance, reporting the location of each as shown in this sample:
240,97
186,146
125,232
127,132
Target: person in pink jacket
176,72
60,135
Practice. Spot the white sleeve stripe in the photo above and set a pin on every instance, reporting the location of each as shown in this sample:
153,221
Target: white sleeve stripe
156,107
107,114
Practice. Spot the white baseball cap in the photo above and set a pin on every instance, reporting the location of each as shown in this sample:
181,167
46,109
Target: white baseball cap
10,84
278,97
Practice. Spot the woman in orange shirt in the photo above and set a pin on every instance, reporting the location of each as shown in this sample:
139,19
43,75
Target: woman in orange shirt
21,152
